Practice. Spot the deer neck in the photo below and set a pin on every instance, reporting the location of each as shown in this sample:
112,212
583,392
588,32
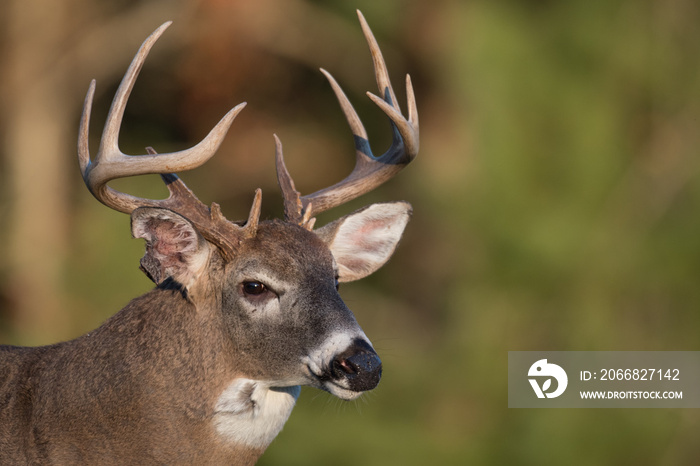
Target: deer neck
245,414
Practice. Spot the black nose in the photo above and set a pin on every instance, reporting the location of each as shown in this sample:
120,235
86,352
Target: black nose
359,365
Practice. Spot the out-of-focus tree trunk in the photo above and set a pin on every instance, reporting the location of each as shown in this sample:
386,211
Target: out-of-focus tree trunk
36,140
44,76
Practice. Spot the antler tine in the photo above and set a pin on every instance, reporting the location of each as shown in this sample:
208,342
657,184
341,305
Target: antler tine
370,171
294,210
290,196
380,72
110,163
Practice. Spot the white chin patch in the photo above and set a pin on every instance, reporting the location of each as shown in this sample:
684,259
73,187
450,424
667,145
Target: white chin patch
340,392
251,413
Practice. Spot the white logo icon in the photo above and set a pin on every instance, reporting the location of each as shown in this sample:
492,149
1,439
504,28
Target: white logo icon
543,369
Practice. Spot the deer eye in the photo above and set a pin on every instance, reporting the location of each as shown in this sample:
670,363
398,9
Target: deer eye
254,288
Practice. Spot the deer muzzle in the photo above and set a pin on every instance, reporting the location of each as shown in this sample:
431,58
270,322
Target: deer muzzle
358,368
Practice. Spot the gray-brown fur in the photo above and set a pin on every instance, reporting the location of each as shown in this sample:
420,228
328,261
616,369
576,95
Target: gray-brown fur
120,394
142,388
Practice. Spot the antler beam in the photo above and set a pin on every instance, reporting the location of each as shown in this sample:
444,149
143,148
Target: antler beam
369,171
111,163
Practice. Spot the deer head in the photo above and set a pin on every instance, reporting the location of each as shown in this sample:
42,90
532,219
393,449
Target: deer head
266,290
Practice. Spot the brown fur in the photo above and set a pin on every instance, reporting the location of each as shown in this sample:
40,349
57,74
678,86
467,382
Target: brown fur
116,378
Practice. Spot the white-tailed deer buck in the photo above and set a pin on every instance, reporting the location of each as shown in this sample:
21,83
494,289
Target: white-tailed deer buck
206,367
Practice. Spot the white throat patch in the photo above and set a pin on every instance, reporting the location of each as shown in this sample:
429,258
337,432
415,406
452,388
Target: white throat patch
251,413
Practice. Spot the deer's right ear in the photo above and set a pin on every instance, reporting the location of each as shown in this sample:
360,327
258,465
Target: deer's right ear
174,248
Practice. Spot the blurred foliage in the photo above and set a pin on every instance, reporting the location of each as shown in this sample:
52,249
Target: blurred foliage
556,200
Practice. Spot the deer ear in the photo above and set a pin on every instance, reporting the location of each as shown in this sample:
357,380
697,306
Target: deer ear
364,240
174,249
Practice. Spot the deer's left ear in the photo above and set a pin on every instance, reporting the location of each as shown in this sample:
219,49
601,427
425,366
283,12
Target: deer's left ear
364,240
174,249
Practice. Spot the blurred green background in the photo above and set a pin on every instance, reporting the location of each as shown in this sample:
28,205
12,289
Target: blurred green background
556,196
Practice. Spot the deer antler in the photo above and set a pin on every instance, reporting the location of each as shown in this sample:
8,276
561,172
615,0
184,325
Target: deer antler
369,171
110,163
